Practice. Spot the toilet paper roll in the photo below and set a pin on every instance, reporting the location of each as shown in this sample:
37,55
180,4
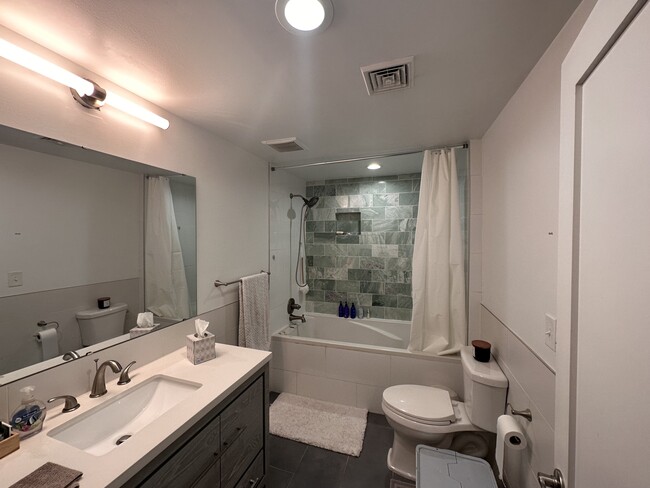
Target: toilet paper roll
49,339
509,436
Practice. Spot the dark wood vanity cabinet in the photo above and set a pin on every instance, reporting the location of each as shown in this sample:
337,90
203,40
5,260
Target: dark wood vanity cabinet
227,448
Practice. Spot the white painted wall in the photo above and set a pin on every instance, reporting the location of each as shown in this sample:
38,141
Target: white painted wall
520,198
232,184
520,170
285,227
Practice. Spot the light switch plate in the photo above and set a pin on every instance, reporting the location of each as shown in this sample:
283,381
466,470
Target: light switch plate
549,330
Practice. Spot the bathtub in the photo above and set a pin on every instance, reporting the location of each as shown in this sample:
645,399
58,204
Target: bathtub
351,361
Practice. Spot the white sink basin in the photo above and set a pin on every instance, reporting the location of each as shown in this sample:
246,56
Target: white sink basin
99,430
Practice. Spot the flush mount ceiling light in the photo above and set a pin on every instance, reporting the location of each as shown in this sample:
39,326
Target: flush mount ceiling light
86,92
304,17
374,166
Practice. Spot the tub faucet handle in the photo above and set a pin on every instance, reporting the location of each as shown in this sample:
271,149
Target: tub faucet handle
292,305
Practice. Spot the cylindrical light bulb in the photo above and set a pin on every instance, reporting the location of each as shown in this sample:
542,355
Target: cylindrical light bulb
135,110
38,65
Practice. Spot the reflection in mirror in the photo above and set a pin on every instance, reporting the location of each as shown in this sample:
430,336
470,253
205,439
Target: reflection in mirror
75,227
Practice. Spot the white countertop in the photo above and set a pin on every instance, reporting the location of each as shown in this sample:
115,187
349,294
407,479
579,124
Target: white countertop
219,377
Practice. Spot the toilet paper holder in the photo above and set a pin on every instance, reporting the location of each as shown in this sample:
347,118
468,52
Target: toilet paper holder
522,413
42,325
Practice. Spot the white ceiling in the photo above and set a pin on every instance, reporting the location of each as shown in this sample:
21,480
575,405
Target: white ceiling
228,65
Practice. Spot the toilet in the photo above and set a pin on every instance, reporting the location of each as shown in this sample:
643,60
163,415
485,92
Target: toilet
432,416
97,325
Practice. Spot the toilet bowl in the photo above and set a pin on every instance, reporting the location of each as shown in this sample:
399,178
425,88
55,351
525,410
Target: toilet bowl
98,325
428,415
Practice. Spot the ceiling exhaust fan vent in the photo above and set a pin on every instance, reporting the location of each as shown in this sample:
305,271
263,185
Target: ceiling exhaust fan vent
288,144
388,76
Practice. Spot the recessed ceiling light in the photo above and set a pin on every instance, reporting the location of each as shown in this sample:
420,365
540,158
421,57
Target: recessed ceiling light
374,166
304,17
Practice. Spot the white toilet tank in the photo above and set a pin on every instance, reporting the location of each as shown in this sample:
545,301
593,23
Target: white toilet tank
97,325
485,388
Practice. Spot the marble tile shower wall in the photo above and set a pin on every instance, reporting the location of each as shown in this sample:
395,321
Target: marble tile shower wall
370,264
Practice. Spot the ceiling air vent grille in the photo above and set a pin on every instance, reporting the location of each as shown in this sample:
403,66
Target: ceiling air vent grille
288,144
388,76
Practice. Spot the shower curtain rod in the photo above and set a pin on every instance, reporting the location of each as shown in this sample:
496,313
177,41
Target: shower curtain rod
463,145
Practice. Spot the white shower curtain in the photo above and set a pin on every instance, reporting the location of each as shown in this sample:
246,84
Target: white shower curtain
439,324
166,291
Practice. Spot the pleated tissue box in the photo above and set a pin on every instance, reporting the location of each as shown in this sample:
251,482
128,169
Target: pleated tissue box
200,349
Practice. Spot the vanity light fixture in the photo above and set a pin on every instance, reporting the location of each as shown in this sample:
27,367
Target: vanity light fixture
304,17
86,92
374,165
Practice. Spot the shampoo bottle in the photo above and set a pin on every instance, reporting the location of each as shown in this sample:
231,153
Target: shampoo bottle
353,312
346,310
28,418
341,312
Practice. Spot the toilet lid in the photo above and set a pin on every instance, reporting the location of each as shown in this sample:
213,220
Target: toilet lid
421,403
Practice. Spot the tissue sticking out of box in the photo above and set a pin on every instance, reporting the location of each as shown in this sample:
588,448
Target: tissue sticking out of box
145,320
201,326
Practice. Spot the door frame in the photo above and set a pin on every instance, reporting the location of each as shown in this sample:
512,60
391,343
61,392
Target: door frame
606,23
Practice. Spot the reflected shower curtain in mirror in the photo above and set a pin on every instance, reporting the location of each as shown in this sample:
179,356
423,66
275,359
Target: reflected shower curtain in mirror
166,292
439,324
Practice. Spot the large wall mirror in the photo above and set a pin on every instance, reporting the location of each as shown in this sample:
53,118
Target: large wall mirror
76,226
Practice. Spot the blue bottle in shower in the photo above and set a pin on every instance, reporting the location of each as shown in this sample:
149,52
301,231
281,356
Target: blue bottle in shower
346,310
353,312
341,312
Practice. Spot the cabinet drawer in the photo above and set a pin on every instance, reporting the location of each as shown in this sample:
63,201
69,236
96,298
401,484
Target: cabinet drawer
253,476
194,457
242,433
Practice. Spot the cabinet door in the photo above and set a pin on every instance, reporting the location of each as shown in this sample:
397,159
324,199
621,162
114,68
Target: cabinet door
184,467
242,433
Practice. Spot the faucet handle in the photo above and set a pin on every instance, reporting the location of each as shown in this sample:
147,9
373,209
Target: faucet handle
292,305
71,403
124,377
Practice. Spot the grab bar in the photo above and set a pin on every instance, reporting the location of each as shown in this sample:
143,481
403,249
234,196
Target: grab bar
219,283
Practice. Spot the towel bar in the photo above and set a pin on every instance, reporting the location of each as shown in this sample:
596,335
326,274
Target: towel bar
219,283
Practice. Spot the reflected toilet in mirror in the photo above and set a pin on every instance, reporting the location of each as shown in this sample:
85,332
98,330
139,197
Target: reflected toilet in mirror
100,324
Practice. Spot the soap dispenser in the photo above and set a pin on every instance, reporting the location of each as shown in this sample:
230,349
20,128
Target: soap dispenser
28,418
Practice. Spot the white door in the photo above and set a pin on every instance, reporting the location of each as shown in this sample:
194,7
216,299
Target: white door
603,382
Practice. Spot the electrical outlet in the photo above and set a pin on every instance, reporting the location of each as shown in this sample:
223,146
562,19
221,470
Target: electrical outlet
15,279
549,330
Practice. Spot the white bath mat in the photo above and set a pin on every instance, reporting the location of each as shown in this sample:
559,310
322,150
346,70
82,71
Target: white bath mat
328,425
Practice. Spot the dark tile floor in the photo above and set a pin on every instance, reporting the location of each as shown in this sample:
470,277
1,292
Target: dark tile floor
297,465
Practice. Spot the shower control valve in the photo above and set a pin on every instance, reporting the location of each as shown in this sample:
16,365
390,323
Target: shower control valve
292,305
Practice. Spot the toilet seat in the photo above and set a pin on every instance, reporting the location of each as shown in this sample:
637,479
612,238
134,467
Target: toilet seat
421,404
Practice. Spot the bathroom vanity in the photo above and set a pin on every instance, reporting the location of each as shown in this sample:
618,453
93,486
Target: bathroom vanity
216,436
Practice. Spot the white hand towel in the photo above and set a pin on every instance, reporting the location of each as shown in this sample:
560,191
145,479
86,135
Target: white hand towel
254,312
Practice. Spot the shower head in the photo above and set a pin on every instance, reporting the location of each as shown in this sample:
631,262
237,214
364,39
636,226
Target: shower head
310,203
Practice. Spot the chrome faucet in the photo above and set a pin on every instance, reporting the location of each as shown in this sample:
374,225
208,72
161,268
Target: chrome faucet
99,383
71,355
291,306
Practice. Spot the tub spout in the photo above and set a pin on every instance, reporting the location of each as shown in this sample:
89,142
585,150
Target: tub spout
293,317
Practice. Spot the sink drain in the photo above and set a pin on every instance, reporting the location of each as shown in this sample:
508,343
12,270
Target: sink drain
122,439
